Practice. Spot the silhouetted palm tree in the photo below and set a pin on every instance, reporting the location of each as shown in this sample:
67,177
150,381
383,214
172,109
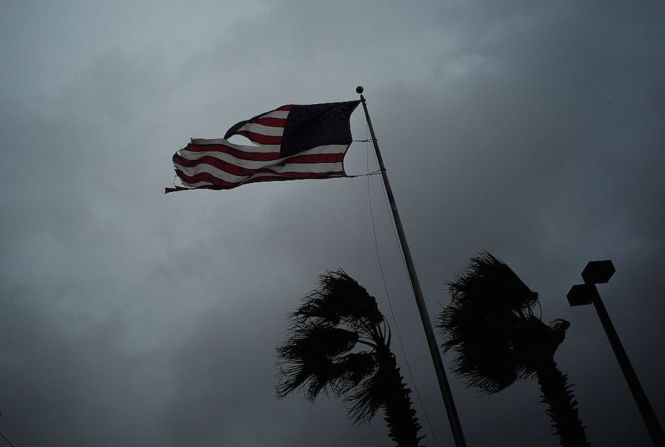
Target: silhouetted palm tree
340,343
491,326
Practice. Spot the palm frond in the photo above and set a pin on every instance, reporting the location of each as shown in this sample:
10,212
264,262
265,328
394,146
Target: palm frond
311,341
340,298
368,397
489,302
492,286
314,377
308,358
482,344
357,367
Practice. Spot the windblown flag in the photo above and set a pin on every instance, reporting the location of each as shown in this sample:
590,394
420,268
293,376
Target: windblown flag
292,142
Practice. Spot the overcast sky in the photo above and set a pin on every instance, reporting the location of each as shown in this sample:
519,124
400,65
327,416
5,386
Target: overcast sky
532,129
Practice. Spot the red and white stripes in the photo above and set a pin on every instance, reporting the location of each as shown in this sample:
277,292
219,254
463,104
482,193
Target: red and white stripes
220,164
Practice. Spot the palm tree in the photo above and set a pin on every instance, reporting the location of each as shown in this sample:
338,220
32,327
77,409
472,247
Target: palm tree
340,343
490,326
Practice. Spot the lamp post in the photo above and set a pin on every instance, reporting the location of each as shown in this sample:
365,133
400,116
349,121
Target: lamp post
600,272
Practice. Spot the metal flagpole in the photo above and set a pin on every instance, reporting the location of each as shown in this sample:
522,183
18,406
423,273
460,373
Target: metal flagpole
451,411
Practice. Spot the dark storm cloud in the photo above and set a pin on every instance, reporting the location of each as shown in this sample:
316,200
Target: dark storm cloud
59,387
529,129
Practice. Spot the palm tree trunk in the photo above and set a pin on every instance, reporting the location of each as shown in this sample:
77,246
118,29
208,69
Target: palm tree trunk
398,409
562,406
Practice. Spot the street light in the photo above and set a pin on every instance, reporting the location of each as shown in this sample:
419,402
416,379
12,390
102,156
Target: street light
600,272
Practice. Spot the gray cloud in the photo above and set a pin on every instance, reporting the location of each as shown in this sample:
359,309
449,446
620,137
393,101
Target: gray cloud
532,130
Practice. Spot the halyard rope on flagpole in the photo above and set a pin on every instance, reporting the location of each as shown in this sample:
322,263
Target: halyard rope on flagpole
390,305
449,404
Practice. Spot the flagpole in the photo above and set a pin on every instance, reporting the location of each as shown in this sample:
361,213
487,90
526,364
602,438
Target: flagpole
451,410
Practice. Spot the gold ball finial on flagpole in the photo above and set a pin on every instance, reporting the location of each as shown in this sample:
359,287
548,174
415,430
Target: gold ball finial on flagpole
360,90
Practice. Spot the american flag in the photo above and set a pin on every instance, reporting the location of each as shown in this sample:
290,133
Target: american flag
291,142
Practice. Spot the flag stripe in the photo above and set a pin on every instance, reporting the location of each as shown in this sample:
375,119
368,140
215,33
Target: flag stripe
262,130
230,164
282,114
261,139
192,151
236,174
272,122
205,180
199,144
230,155
220,149
240,158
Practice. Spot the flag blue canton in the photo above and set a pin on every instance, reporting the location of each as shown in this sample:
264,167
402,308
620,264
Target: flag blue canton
317,125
